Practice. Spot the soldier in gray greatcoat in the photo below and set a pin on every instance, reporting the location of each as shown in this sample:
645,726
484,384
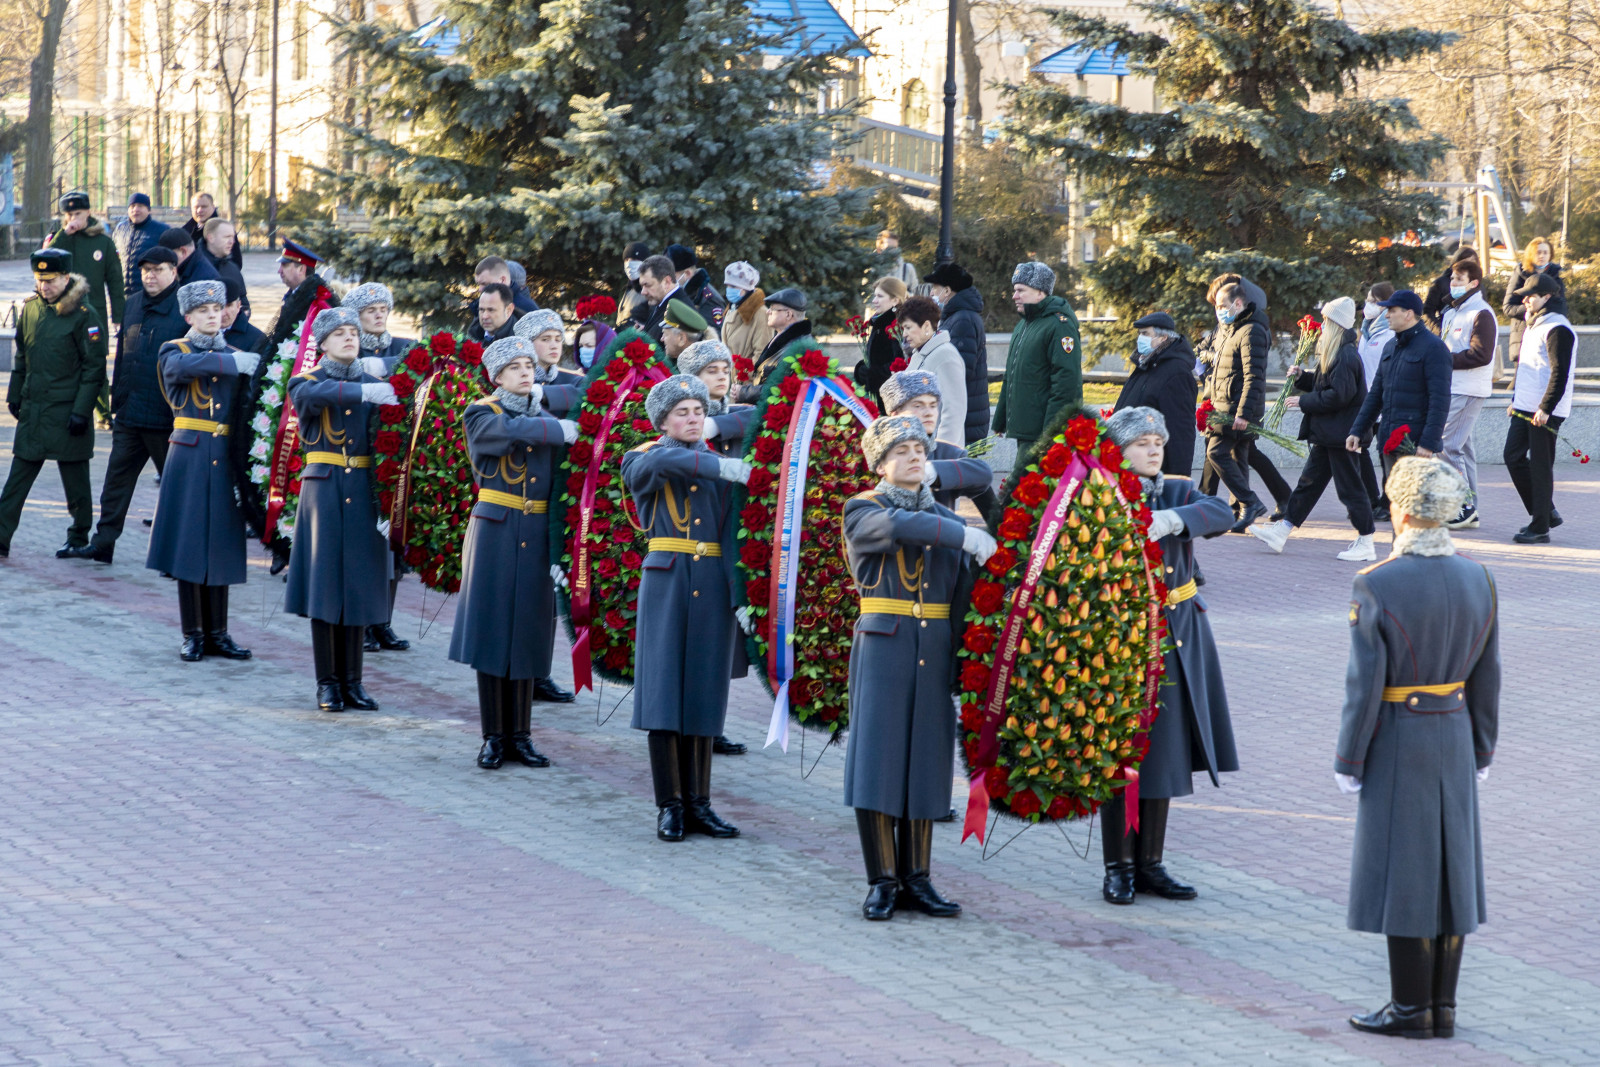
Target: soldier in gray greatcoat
545,330
381,352
683,650
340,566
1192,731
950,473
908,556
505,620
198,534
1421,712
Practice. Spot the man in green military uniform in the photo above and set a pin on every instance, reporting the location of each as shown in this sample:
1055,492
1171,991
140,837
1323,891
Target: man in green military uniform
1044,366
681,326
95,258
60,368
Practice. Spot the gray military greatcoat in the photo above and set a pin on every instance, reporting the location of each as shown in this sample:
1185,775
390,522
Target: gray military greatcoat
1420,621
959,475
340,565
505,619
685,631
901,753
1193,731
731,427
198,535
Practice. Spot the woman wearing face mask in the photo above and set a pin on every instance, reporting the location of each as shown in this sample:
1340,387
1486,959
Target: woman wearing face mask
593,334
1537,258
1163,378
633,307
744,325
883,348
1372,338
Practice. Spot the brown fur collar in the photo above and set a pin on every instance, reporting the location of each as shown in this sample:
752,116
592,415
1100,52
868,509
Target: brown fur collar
756,301
72,298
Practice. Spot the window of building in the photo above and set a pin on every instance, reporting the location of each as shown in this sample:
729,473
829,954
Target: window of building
299,62
915,106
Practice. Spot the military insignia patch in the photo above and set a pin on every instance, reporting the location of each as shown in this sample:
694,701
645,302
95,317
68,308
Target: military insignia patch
94,333
1067,345
97,255
1355,613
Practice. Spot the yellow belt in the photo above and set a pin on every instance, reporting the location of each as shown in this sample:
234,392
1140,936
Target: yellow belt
888,605
1398,694
686,546
215,429
514,502
338,459
1187,591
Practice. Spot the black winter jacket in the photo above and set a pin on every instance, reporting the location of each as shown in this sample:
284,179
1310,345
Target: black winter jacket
882,350
1411,388
196,232
1166,382
137,399
1239,369
962,319
1330,402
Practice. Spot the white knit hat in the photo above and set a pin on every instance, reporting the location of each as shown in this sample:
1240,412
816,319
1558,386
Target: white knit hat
1341,311
741,274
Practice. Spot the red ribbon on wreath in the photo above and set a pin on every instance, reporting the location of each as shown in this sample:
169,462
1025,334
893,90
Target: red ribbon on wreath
287,441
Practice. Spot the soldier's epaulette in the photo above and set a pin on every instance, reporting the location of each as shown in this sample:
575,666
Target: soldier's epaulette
1177,478
872,495
181,346
1374,566
488,402
645,447
307,373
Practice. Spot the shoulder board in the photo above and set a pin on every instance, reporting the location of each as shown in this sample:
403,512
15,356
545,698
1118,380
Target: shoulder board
870,494
181,346
647,446
31,298
308,373
1063,318
1177,478
1374,566
487,403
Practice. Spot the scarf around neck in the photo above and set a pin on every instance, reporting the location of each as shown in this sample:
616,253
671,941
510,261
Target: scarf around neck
205,342
919,499
341,372
512,403
672,442
545,374
376,342
1153,486
1434,541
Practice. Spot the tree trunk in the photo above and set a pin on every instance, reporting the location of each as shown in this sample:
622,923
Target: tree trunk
971,70
36,203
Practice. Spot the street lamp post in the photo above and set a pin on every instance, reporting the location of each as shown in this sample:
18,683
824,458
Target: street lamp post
272,141
947,165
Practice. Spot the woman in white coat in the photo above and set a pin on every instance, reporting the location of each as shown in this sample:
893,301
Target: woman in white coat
930,348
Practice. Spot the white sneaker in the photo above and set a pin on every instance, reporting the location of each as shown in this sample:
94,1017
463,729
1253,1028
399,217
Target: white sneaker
1466,520
1273,535
1360,550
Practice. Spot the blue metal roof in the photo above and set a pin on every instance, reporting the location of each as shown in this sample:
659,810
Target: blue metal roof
1081,62
438,34
821,27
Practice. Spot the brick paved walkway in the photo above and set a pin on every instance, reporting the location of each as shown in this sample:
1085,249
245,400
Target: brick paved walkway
197,868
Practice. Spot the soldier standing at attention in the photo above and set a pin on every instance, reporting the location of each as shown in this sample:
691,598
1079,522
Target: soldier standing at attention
907,555
198,535
59,371
339,568
1421,711
683,654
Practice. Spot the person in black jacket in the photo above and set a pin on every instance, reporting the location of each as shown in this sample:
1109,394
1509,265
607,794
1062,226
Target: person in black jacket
786,316
1238,391
1438,298
1333,391
218,243
193,266
961,316
883,347
1411,390
1163,379
1257,460
1536,259
202,209
236,328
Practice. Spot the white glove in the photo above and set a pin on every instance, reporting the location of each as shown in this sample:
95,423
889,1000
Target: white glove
1347,785
711,430
979,542
746,623
1483,774
1165,523
557,575
247,362
383,528
734,470
379,393
929,475
569,430
373,365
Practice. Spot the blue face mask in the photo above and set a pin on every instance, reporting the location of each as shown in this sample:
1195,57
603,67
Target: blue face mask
1144,344
734,295
1225,316
1457,292
586,357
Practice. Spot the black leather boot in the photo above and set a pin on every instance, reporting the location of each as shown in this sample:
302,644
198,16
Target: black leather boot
191,614
1446,969
218,641
724,747
664,775
371,642
519,702
1119,849
877,849
325,654
698,816
351,641
547,691
382,636
1409,1012
913,855
491,713
1150,876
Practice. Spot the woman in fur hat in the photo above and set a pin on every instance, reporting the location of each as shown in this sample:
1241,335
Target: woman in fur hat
684,643
340,566
1192,731
908,556
547,333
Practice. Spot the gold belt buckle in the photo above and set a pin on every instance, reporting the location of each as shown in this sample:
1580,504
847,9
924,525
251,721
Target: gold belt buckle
916,609
527,506
699,549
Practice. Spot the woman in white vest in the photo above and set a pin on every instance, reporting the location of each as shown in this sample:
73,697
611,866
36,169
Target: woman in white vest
1541,400
1472,334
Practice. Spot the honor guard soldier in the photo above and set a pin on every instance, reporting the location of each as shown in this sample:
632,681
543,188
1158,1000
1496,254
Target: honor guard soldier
908,556
548,335
339,568
683,652
380,353
198,536
1421,712
506,618
1193,731
949,472
60,369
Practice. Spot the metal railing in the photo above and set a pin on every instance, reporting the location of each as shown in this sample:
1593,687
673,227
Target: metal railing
898,151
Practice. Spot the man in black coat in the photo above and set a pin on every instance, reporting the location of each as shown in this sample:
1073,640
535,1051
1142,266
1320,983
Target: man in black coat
961,316
694,286
497,315
1258,460
1238,391
218,243
236,327
658,281
1163,378
134,235
786,316
1412,387
193,265
297,269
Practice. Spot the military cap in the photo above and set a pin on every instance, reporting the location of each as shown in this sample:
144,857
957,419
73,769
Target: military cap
295,253
680,316
887,432
906,385
77,200
500,354
331,319
366,294
51,262
670,392
1130,424
191,296
538,321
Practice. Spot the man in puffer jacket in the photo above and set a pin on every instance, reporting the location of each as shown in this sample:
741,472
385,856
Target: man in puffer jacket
961,307
1238,391
1412,387
1044,366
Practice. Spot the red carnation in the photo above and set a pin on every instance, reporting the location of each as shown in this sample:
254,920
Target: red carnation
1081,434
638,351
898,365
971,716
642,426
471,352
601,393
1002,561
744,367
757,591
615,621
589,422
442,344
631,559
616,659
1202,415
1153,553
979,638
413,556
814,363
296,463
294,486
790,387
1031,491
777,417
1396,440
1110,454
403,385
617,369
995,781
462,474
974,676
754,554
768,449
1054,462
1060,808
386,441
1025,803
606,567
987,596
1016,524
391,414
756,516
418,361
575,481
1132,488
760,483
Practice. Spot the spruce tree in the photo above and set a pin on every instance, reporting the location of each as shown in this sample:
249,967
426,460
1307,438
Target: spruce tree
1264,159
559,131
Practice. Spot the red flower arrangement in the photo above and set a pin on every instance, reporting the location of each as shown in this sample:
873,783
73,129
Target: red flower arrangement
1399,442
1075,714
595,307
826,602
430,523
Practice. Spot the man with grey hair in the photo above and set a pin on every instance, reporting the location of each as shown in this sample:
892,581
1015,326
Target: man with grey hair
1044,366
